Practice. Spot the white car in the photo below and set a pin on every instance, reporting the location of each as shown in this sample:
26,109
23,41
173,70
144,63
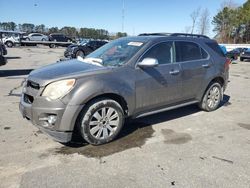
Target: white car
11,40
37,37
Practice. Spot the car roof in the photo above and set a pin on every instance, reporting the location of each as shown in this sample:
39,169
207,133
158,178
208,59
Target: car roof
152,38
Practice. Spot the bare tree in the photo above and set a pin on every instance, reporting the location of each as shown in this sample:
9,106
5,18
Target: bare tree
194,16
187,29
204,23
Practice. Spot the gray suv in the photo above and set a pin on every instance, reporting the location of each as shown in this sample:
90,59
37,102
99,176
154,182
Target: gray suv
128,77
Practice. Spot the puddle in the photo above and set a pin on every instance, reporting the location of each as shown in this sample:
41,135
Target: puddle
7,128
244,125
172,137
134,134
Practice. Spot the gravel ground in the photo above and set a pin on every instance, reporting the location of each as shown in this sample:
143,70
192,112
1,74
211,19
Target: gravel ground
185,147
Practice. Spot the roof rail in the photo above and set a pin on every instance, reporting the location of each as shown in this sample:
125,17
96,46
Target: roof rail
154,34
175,35
188,35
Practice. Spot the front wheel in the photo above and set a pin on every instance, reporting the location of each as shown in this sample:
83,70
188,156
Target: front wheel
101,121
80,53
241,59
212,97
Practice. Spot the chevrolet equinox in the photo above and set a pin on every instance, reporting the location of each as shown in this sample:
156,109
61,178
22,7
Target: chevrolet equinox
128,77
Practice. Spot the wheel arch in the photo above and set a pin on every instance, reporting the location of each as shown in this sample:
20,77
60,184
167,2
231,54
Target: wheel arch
116,97
218,79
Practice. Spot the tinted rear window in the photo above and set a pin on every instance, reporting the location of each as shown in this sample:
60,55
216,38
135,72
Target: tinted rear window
215,47
188,51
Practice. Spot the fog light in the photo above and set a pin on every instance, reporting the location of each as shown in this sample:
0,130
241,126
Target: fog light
50,120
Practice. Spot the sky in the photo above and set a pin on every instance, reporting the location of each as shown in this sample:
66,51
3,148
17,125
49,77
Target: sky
140,16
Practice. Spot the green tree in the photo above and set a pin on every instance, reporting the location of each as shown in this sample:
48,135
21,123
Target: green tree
40,28
27,27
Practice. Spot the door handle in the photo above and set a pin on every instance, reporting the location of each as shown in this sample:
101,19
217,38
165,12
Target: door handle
206,65
174,72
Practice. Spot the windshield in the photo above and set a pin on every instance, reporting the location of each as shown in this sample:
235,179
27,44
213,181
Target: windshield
117,52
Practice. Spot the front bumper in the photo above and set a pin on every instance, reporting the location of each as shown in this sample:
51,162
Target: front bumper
68,54
245,56
37,112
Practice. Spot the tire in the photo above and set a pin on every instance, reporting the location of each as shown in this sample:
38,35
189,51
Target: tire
241,59
100,113
27,39
52,45
80,53
43,39
212,97
9,44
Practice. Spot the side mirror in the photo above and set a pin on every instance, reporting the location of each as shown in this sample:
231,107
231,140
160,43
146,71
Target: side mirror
148,62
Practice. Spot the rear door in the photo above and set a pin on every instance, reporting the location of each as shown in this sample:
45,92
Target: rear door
161,85
195,64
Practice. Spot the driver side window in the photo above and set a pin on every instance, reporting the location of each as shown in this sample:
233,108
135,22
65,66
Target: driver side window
163,52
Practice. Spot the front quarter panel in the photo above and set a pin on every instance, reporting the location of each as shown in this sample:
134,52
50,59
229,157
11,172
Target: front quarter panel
120,81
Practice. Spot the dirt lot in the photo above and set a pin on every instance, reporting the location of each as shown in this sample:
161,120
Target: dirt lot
179,148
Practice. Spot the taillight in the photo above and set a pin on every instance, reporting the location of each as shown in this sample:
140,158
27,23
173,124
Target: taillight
228,62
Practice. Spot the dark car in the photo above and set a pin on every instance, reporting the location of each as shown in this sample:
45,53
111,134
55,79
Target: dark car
83,49
127,78
57,37
3,51
245,55
235,53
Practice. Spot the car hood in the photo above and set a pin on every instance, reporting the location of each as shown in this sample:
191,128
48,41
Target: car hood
64,70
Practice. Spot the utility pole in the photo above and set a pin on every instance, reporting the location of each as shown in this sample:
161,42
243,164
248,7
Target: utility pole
123,15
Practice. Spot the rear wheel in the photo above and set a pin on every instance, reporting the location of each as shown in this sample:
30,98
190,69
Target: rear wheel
241,59
52,45
101,121
212,97
9,44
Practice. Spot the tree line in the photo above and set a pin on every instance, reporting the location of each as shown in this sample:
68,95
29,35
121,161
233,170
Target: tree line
232,23
66,30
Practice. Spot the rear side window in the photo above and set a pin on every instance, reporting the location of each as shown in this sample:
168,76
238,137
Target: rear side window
189,51
215,47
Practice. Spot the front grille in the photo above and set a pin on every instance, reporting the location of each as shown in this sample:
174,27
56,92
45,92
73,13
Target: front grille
28,99
33,85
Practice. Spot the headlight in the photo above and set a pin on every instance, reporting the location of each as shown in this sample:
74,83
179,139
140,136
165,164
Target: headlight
243,52
58,89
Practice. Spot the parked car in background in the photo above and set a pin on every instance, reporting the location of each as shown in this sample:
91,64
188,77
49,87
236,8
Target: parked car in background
36,37
127,78
245,55
57,37
10,38
235,53
83,49
3,51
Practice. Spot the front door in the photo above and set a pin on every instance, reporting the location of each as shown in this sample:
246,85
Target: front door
161,85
